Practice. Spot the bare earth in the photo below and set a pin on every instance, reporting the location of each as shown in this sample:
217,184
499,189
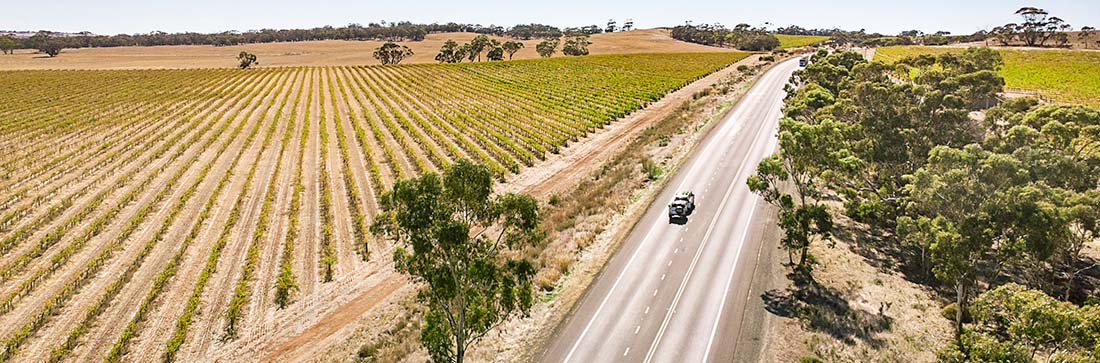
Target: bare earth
867,312
316,53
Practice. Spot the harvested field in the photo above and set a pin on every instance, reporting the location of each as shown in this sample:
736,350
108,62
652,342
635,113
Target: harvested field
165,214
318,53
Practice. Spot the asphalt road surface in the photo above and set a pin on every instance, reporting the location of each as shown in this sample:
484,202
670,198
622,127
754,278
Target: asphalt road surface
676,292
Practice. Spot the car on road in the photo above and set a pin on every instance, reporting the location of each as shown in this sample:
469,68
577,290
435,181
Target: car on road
802,62
682,205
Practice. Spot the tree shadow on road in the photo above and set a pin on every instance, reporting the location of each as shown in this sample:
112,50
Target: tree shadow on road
826,310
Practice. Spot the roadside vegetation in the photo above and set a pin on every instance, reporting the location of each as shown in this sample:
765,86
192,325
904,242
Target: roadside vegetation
994,213
1060,75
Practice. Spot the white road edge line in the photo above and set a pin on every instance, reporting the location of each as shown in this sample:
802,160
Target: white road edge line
729,280
691,268
622,273
737,111
695,260
733,271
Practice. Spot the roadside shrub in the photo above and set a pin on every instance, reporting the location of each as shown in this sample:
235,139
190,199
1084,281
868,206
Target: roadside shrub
547,279
768,58
951,309
810,359
651,168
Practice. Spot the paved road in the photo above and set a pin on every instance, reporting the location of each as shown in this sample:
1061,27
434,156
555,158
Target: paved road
676,292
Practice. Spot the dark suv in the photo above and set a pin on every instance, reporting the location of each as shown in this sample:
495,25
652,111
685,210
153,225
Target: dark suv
682,205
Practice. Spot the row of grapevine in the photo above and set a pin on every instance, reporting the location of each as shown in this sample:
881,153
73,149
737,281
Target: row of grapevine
55,304
356,210
328,249
242,291
121,346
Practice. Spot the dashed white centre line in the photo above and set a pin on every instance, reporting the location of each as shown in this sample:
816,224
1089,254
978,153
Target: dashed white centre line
636,329
654,292
627,351
670,262
662,277
646,311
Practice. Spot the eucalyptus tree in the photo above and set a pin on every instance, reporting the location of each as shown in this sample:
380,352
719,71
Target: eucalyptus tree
461,242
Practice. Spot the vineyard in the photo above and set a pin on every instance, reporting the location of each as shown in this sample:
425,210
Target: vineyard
1068,76
795,41
162,214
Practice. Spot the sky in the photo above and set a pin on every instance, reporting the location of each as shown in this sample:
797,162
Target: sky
209,16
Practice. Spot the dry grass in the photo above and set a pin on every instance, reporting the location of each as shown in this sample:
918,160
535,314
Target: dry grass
855,310
317,53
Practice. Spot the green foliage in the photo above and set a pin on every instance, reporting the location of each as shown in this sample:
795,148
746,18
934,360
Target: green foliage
576,45
742,36
1014,323
392,53
1012,195
802,215
8,45
246,60
1037,28
47,44
511,47
951,312
450,52
1062,75
546,48
798,41
810,359
496,51
472,283
477,46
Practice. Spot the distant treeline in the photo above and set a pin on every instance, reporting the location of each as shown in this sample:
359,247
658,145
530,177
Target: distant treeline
400,31
797,30
742,36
